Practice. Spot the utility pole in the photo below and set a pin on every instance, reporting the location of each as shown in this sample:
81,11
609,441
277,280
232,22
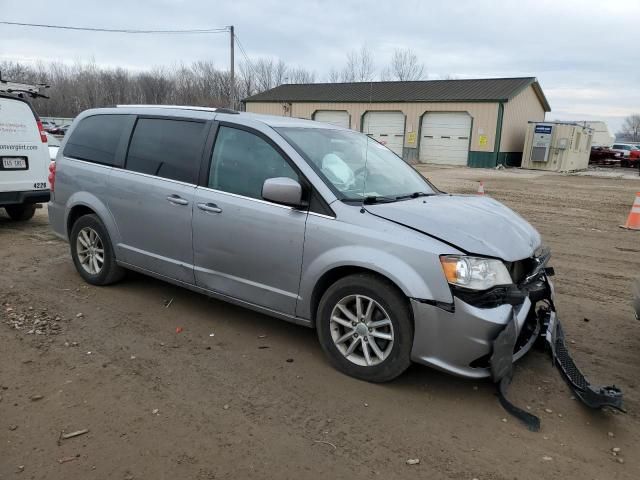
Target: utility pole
232,99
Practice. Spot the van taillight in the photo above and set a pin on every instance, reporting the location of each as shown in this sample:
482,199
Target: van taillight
43,135
52,175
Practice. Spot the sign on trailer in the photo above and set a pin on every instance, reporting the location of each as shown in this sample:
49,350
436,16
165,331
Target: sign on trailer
543,128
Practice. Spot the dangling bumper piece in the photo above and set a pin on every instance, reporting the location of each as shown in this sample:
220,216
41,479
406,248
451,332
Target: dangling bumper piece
550,330
594,397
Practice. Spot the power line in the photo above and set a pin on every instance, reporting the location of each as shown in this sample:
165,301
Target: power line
244,54
242,50
119,30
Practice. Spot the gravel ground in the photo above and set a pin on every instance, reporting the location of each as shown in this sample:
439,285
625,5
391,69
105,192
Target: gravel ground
236,394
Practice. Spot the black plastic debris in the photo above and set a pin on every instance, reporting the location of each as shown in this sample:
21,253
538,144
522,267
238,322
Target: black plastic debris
502,366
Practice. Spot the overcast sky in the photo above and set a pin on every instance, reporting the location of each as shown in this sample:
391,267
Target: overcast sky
584,53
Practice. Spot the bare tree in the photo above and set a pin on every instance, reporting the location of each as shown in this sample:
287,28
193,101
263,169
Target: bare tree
279,73
155,86
366,69
631,128
300,75
404,66
264,73
269,73
247,83
334,76
80,86
359,66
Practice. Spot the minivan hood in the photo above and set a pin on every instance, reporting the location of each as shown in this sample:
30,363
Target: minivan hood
477,225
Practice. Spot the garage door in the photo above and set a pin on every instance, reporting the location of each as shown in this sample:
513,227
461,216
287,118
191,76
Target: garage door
386,127
334,117
445,138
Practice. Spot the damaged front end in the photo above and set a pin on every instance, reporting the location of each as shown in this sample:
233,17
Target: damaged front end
544,327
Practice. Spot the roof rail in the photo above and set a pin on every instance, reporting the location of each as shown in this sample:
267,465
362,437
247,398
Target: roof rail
179,107
227,110
21,89
183,107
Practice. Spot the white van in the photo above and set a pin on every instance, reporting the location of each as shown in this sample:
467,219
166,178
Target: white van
24,158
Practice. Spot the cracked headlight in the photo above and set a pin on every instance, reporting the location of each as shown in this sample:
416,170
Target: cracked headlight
475,273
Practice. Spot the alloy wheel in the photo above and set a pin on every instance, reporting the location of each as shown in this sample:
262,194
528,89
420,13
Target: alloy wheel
361,330
90,250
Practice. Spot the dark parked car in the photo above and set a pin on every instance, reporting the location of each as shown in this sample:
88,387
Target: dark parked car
62,130
604,155
48,125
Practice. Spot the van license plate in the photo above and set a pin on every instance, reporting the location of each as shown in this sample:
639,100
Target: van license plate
14,163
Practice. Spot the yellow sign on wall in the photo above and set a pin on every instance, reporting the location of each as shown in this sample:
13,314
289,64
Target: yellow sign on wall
482,140
411,138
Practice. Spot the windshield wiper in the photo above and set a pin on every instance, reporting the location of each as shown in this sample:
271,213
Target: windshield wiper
414,195
370,200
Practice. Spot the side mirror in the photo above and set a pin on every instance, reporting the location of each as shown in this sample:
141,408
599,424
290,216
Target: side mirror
283,190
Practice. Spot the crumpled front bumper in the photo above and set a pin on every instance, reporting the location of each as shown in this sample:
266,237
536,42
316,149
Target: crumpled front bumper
477,342
459,340
456,342
485,342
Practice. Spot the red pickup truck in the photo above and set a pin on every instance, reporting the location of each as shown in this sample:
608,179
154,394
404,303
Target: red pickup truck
630,154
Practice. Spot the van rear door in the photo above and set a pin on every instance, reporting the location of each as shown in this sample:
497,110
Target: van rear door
24,157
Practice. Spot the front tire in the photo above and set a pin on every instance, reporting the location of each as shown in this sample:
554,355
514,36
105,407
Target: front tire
365,328
21,213
92,252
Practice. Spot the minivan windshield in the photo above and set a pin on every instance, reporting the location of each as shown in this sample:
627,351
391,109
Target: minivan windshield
356,167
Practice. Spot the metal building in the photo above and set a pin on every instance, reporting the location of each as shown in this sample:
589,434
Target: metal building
475,122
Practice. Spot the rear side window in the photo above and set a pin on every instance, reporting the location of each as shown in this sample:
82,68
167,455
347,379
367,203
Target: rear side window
167,148
96,138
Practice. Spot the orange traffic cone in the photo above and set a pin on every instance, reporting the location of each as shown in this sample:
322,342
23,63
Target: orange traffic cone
633,220
481,188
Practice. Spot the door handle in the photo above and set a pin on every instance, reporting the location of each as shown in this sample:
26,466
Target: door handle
177,200
209,207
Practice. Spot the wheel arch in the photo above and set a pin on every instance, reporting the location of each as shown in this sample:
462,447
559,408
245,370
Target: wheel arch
84,203
334,274
326,265
75,213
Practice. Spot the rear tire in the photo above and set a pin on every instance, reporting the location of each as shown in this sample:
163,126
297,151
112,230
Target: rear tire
375,346
21,213
92,252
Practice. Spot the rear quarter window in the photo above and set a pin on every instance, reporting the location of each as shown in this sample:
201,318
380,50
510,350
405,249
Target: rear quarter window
167,148
97,138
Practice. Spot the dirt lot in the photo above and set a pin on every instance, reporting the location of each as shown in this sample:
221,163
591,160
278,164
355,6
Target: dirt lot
240,395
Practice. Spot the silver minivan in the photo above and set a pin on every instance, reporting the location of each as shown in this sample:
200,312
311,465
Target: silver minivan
309,222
